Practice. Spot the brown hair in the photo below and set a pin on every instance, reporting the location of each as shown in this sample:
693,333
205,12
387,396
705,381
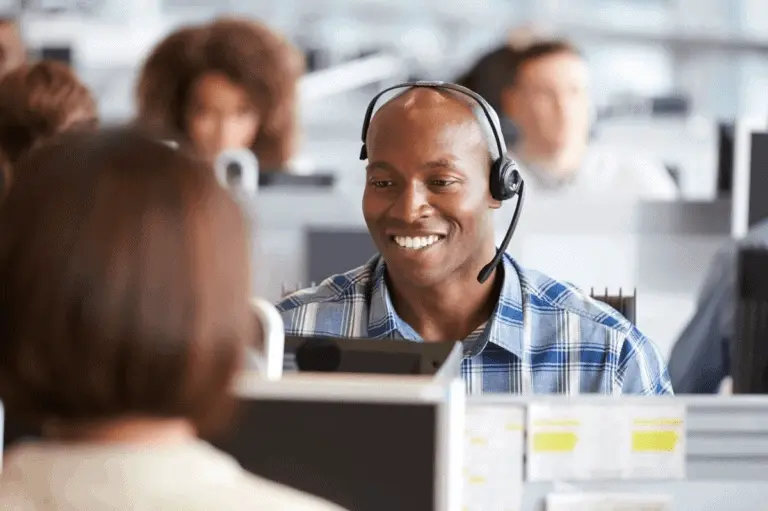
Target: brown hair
12,51
250,54
39,101
130,295
539,50
490,74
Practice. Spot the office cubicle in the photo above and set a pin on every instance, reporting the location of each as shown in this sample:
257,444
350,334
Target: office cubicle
700,453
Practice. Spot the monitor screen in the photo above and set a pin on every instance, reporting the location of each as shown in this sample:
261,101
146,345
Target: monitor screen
362,456
758,178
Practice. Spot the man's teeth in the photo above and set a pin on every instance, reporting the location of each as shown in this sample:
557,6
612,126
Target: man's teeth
417,242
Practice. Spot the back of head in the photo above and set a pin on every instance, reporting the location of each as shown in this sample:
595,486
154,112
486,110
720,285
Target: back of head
130,295
491,73
39,101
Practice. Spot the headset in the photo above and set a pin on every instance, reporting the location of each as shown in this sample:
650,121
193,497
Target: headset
505,179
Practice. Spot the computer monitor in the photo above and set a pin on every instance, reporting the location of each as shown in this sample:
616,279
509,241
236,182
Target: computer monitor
377,356
749,349
367,443
725,135
332,250
750,175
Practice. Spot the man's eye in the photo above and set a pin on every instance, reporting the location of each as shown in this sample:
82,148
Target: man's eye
442,182
379,183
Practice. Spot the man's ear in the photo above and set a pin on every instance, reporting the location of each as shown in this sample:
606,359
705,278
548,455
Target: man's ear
494,204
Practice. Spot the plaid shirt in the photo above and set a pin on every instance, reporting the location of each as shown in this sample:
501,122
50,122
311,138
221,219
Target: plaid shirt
544,336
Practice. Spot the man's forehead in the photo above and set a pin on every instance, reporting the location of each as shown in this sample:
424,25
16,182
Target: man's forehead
441,105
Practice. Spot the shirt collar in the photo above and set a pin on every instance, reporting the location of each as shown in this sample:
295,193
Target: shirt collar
504,327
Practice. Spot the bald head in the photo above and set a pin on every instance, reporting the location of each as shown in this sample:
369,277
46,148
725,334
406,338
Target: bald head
429,106
428,179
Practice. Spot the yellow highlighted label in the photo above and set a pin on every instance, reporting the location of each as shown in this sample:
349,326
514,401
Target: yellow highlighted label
514,427
477,440
476,480
654,441
554,442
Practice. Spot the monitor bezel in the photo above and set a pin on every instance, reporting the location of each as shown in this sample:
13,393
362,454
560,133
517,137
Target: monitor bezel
744,128
448,398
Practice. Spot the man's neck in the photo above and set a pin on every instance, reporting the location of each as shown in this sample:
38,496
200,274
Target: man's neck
560,164
450,311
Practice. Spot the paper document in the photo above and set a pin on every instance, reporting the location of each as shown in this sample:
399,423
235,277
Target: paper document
493,459
607,502
583,442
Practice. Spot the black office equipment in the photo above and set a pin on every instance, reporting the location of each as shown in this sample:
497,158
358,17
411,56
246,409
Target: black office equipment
725,140
58,53
758,179
277,178
626,305
363,456
377,356
749,348
332,250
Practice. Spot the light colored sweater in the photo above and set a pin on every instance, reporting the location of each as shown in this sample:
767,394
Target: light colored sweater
194,476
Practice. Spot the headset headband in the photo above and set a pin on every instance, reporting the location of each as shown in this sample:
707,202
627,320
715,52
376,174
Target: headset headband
501,146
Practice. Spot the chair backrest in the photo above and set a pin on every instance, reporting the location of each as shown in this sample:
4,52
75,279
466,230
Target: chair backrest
626,305
749,348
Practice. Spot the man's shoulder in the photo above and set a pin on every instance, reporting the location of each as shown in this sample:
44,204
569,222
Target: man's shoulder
339,288
546,295
327,308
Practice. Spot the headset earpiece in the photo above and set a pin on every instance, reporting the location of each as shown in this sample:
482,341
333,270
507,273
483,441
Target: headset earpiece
505,179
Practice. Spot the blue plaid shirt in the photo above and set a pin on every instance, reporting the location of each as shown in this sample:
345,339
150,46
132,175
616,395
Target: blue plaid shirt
544,336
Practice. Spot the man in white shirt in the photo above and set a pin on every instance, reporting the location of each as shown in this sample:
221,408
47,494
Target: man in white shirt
548,100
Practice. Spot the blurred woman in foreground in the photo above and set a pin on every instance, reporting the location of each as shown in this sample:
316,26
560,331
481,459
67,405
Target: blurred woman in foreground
229,84
123,320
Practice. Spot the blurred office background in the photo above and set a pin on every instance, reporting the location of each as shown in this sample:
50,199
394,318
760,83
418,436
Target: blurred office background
666,75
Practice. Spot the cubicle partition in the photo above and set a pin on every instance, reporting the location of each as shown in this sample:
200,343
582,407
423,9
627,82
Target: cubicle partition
662,249
596,452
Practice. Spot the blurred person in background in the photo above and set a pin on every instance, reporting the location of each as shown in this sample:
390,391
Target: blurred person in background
229,84
13,53
701,358
547,98
38,101
124,318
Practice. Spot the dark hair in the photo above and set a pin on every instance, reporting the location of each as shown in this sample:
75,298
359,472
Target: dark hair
490,74
125,283
37,102
250,54
540,50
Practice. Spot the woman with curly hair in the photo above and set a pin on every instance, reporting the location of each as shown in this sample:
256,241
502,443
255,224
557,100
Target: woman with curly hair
228,84
37,102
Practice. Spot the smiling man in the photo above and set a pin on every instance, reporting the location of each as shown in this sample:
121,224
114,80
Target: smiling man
429,209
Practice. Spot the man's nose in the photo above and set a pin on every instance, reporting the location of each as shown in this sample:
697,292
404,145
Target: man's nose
411,204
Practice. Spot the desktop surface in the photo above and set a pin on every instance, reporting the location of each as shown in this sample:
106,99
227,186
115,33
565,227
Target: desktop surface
362,456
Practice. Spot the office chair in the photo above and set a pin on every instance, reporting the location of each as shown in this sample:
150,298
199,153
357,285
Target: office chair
625,305
749,348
